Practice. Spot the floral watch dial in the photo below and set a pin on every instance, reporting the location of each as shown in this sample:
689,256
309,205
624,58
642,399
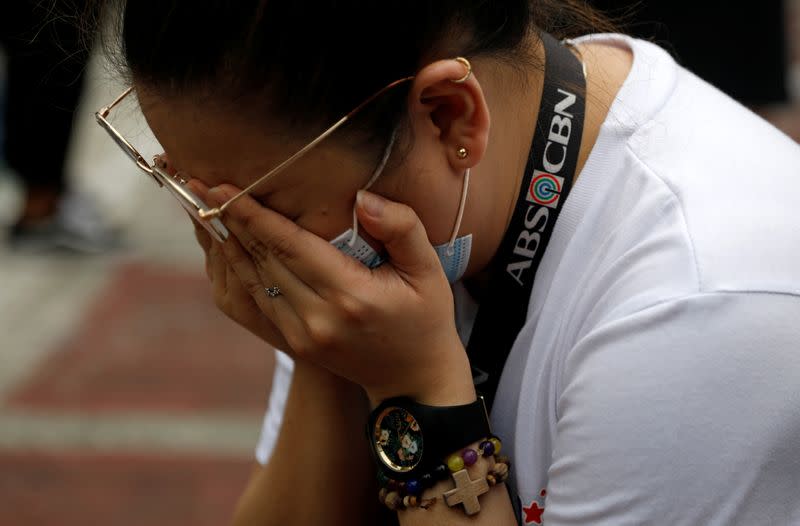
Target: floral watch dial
398,439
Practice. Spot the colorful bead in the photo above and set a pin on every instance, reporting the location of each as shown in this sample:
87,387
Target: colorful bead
441,472
393,500
470,456
503,460
410,501
413,487
500,469
455,463
399,495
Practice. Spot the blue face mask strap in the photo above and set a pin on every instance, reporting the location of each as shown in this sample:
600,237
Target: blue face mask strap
461,205
378,170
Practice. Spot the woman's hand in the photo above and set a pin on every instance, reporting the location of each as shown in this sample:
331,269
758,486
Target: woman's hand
231,296
390,330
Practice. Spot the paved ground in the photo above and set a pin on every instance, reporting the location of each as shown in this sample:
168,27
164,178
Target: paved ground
125,398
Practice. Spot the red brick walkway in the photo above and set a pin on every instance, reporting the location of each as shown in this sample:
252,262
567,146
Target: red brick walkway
151,346
152,340
81,489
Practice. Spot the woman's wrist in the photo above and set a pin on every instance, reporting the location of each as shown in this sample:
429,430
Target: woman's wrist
448,384
452,390
321,386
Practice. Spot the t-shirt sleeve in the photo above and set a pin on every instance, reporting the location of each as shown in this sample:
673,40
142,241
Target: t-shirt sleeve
685,413
270,429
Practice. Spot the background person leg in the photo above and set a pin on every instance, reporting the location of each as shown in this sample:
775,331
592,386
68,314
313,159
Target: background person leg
45,68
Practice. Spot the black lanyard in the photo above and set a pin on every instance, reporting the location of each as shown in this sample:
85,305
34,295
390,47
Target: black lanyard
549,173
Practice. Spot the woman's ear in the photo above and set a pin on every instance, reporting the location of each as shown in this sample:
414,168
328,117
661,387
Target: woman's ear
452,110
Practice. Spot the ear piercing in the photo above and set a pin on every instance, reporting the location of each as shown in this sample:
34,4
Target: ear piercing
468,67
462,153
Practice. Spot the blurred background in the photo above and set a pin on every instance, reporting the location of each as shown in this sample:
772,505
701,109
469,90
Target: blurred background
125,398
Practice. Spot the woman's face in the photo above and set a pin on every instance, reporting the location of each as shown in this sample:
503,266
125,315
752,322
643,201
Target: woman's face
319,190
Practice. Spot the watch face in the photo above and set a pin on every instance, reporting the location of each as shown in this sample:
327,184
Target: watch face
398,439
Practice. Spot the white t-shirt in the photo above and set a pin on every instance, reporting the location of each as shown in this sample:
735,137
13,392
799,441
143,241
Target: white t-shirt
657,378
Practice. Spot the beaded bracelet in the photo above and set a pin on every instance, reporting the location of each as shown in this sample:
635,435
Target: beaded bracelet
399,495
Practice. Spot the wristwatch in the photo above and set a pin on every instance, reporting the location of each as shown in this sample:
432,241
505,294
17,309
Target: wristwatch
409,439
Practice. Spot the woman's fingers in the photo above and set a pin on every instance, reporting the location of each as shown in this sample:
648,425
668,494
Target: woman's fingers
291,296
239,289
402,234
201,235
218,272
263,232
234,299
242,308
204,240
256,279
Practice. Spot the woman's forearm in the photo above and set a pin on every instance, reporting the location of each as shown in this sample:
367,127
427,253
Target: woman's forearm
320,470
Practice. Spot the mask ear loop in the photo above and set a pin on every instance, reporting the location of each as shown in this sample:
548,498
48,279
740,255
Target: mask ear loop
461,205
450,247
378,171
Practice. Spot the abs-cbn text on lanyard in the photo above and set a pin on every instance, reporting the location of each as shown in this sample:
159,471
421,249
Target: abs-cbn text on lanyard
551,167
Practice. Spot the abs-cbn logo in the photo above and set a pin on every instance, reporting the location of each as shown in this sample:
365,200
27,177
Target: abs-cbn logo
544,189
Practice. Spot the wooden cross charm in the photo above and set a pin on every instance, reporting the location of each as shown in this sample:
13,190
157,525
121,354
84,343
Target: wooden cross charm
466,492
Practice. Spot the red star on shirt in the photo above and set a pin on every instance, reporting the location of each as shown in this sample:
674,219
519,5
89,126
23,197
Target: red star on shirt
533,514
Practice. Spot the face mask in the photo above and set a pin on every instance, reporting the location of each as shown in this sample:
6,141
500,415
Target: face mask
454,261
453,255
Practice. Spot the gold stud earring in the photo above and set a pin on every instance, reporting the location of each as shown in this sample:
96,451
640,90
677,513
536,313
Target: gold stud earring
462,153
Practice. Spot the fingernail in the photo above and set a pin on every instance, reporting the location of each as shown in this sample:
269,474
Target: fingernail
194,186
371,203
216,195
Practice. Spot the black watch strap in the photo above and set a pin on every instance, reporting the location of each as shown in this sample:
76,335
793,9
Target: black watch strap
445,430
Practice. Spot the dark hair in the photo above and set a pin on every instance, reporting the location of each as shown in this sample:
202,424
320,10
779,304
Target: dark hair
307,63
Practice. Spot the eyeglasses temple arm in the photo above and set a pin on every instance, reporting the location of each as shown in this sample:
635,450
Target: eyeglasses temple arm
103,112
285,164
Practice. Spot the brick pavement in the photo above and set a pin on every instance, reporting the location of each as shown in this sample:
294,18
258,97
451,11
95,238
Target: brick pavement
151,339
147,413
79,489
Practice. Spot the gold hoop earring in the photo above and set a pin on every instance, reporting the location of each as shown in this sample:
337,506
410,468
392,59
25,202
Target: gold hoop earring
467,65
462,153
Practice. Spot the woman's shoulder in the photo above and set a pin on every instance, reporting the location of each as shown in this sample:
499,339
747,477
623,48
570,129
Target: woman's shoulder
731,178
736,181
